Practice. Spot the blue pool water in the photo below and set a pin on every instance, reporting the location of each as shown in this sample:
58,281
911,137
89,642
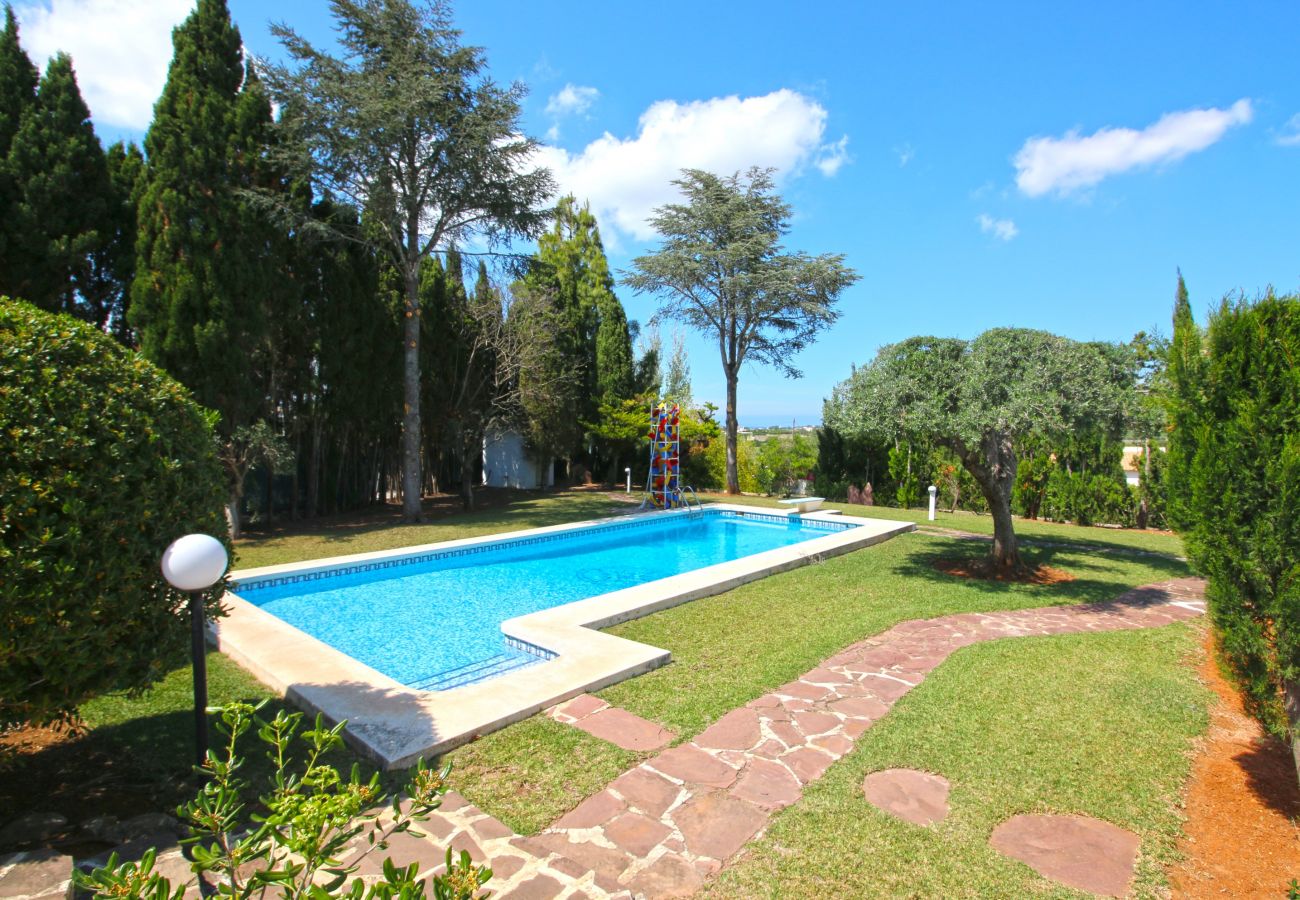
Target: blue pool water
433,621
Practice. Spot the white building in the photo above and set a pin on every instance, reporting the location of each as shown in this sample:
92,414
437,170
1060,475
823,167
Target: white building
508,463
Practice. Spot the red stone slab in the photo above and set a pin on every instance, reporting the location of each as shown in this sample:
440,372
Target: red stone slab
718,825
916,797
1078,851
691,764
623,729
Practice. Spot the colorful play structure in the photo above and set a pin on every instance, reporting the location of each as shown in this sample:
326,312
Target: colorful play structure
664,489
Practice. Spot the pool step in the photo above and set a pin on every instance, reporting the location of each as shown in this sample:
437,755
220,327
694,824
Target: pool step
479,670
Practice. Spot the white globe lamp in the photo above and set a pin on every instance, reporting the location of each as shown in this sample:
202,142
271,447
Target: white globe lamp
193,564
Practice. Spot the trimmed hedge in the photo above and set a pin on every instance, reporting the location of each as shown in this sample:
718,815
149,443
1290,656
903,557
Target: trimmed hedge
1234,476
104,460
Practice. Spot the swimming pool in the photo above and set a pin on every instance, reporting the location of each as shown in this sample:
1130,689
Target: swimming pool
432,621
396,723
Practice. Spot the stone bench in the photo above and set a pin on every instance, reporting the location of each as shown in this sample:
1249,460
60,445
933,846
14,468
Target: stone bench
803,504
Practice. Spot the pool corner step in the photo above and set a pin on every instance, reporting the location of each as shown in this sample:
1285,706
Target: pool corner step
478,670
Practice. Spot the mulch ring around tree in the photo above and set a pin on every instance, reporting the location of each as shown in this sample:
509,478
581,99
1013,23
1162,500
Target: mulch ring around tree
985,569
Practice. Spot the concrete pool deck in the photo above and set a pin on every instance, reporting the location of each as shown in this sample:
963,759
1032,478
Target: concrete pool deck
395,724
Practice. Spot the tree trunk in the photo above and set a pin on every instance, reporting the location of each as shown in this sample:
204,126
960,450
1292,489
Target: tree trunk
1293,718
994,468
467,472
733,474
411,399
232,515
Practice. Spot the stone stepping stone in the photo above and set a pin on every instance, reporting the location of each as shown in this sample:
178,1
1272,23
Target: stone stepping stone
917,797
609,723
1078,851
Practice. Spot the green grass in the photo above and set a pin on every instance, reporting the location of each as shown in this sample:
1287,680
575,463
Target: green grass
733,647
1094,724
526,510
1030,529
531,772
1097,724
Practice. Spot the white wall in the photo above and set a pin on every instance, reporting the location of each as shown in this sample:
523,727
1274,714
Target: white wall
507,463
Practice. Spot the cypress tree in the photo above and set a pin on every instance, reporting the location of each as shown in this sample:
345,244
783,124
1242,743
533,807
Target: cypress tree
63,199
198,300
613,350
1185,366
115,264
18,81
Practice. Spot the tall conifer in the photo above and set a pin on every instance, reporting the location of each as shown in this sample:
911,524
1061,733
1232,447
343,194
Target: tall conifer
203,266
18,80
63,198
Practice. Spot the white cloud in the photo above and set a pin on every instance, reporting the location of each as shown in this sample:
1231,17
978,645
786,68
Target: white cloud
571,100
905,154
120,49
626,178
1002,229
1290,136
831,157
1066,164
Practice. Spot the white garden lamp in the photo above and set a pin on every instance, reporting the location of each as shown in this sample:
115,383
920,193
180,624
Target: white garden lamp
628,472
933,492
193,564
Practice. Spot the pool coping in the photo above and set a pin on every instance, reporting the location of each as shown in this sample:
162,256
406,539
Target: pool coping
395,725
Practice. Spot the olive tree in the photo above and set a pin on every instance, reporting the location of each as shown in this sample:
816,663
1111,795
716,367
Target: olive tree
722,270
983,399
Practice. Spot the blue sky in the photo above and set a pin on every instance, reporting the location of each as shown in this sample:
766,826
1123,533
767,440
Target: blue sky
1000,164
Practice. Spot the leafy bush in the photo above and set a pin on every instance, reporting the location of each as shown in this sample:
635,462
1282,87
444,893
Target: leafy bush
104,460
780,464
1234,472
1088,499
292,845
715,471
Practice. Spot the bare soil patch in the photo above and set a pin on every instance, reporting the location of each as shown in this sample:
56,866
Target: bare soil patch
985,570
1243,801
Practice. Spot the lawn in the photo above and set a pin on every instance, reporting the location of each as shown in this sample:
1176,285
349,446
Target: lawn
1045,723
733,647
1096,724
1029,530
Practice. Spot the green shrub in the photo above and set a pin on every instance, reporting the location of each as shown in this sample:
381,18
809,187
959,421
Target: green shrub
292,841
104,460
715,458
1235,474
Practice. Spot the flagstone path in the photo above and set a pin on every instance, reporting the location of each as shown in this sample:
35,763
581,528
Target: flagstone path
662,828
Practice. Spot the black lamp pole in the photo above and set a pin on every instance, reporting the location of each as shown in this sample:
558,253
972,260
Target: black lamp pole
198,651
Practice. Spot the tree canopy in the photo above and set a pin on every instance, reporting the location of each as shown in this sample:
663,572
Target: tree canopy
721,269
983,399
405,124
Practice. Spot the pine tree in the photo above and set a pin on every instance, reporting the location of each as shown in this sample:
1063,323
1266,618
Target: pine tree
63,198
18,81
677,382
201,254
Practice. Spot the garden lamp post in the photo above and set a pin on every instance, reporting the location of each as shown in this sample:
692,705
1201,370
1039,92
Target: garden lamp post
933,492
193,564
628,471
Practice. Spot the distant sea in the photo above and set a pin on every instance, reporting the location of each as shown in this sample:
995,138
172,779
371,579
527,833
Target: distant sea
776,421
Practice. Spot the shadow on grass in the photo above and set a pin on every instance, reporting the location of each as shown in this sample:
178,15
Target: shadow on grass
142,762
921,564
